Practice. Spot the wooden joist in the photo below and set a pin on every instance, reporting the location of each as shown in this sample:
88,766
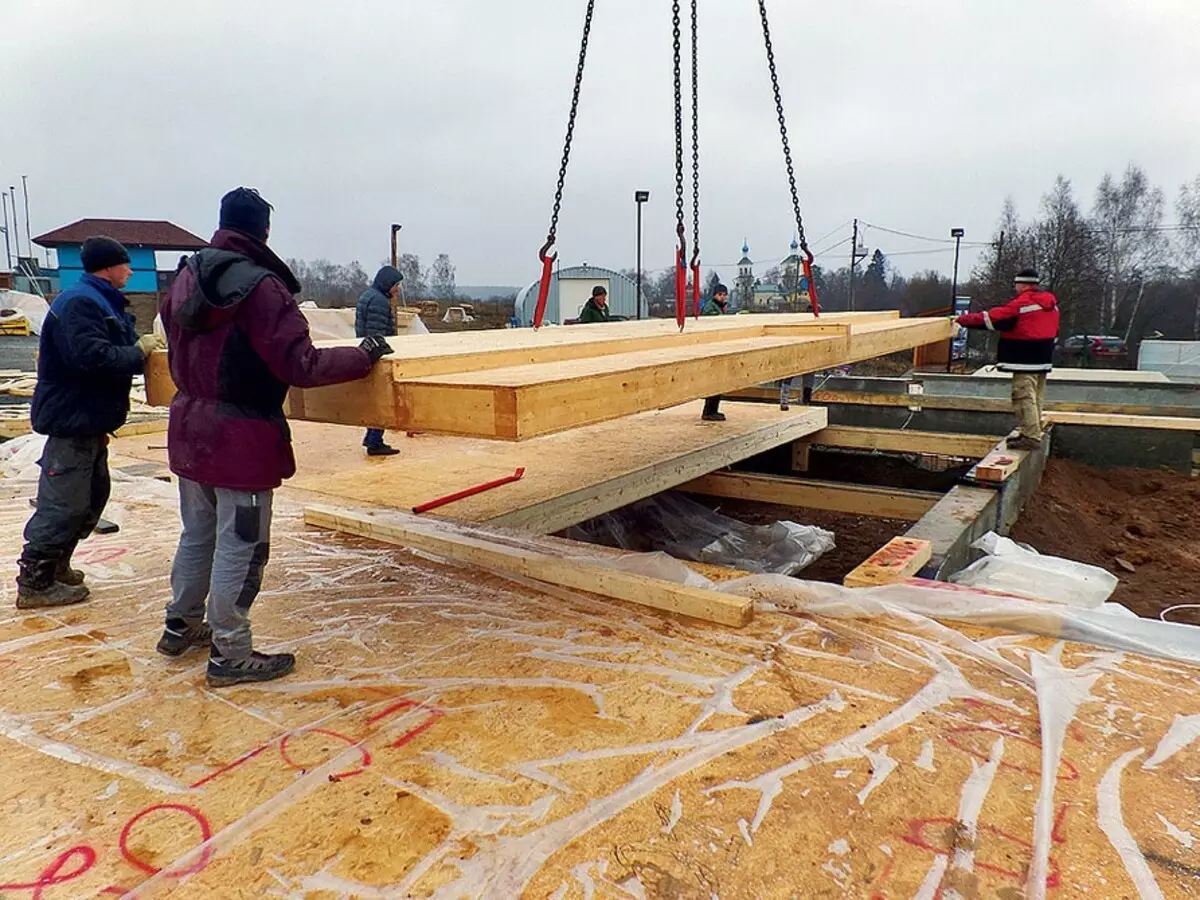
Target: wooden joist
518,384
898,559
967,446
884,503
475,548
1113,420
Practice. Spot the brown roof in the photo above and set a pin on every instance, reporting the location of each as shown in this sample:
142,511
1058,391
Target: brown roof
130,232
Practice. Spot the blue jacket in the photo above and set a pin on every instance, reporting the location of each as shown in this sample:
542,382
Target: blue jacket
374,314
86,362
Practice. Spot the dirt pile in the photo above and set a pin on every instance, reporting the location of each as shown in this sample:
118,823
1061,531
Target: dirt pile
1141,525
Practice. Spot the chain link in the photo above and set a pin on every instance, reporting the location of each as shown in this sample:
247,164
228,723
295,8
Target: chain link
695,132
679,215
566,157
787,147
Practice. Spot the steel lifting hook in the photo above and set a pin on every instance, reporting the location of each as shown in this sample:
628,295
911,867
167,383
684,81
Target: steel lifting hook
696,282
812,284
547,259
681,278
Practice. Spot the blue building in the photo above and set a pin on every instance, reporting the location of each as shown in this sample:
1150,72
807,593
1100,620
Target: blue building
141,238
570,289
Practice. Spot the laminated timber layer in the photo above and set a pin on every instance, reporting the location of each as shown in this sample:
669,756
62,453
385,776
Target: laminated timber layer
518,384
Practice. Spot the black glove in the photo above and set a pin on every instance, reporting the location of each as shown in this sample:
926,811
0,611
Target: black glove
376,347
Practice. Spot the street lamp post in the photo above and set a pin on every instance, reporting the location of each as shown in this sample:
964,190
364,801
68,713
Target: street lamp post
639,197
957,234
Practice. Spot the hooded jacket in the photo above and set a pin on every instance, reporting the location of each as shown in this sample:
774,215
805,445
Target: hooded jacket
593,313
1028,327
86,362
712,308
374,313
237,341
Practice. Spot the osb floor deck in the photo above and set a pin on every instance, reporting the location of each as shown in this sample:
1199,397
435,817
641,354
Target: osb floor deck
569,477
450,734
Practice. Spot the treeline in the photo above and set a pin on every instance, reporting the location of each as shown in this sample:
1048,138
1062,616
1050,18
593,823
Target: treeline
331,284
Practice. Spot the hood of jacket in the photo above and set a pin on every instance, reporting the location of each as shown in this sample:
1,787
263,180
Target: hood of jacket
1044,299
386,279
224,275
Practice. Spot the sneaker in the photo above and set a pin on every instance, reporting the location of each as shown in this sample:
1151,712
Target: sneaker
1022,443
713,417
257,666
382,450
178,636
57,594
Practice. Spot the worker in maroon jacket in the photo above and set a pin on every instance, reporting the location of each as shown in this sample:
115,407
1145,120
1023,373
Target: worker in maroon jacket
237,342
1028,327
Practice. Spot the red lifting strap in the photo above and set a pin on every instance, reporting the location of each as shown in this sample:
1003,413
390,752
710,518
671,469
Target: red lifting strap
696,288
539,311
812,284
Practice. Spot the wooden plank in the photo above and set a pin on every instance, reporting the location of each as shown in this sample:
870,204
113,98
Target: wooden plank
474,548
968,446
998,466
570,477
885,503
1113,420
898,559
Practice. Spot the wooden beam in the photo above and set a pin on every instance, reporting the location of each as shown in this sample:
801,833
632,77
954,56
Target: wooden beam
1109,420
885,503
477,548
968,446
898,559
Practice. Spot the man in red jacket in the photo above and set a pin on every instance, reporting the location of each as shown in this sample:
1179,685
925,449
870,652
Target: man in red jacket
1028,327
237,342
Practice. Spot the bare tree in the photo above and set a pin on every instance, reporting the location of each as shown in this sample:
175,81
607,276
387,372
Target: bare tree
1128,218
1066,254
1188,208
441,278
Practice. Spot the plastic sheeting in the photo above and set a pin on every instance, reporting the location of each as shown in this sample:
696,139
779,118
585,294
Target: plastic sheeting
686,529
31,306
1014,569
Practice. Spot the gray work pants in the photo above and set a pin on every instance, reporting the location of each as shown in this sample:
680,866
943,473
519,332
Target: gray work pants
73,490
224,547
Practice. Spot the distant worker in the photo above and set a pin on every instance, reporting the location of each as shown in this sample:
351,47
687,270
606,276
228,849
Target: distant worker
87,357
1028,327
376,315
596,309
715,306
238,341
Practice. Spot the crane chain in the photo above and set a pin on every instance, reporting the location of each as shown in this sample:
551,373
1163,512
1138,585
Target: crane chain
679,214
787,147
695,132
566,157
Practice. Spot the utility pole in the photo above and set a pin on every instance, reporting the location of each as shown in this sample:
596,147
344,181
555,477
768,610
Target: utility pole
853,261
16,224
7,246
957,234
396,264
639,197
25,191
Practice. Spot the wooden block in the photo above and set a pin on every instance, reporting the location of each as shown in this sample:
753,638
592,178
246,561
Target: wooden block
800,452
474,547
864,500
999,465
900,558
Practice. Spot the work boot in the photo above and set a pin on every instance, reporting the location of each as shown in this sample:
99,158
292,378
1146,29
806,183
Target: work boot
381,450
1021,442
223,672
64,574
713,417
37,589
178,636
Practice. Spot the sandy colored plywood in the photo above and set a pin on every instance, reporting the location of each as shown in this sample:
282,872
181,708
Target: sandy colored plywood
448,733
865,500
473,548
570,477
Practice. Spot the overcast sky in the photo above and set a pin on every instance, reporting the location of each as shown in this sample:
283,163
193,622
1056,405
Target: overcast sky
448,116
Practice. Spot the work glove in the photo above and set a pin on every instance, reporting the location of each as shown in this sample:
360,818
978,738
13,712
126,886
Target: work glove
148,343
376,347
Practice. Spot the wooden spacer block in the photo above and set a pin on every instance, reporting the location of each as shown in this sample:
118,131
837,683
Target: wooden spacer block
998,466
900,558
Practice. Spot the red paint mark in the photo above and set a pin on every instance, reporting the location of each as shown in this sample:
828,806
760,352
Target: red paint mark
434,716
54,874
392,710
1060,821
116,891
916,837
1072,772
244,758
1073,730
205,836
366,755
878,894
99,555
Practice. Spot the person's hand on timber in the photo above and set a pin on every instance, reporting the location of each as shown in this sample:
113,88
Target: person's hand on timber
88,355
376,347
238,343
148,343
1028,327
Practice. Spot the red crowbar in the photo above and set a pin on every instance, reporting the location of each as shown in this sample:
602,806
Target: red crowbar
469,492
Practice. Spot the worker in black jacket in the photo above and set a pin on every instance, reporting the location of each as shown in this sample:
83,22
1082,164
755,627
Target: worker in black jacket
88,355
375,315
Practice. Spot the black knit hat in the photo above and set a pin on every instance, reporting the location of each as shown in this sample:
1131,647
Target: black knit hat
720,289
1027,276
599,291
99,253
244,210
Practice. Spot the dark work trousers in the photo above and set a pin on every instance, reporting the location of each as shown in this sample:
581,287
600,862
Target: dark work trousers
712,406
224,547
374,438
72,492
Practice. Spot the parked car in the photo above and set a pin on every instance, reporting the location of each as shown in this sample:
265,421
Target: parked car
1100,346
